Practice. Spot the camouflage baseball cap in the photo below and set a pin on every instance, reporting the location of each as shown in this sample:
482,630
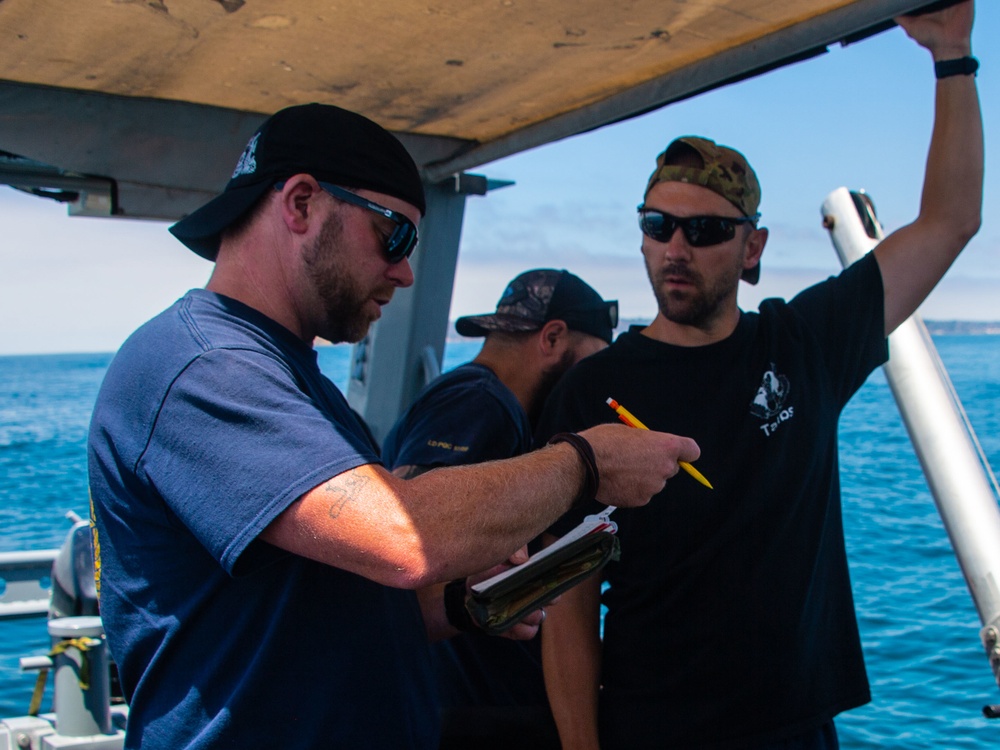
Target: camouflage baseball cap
723,170
535,297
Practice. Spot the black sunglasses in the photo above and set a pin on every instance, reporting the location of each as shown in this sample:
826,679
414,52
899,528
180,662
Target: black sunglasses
403,239
699,231
606,314
612,313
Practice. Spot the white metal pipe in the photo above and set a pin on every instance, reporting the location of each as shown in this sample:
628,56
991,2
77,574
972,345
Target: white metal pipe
943,441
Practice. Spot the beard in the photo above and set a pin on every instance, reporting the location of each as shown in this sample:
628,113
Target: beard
551,376
547,381
340,294
699,304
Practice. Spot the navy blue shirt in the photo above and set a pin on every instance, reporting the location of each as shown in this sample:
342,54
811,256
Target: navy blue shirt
211,421
468,416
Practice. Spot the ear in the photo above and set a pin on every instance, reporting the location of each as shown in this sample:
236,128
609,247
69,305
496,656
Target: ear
553,338
297,200
754,247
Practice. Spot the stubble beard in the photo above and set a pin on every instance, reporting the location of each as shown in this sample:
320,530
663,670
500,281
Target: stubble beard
343,301
551,376
697,306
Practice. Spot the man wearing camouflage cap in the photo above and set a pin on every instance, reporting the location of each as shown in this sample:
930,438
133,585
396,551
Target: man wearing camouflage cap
492,691
730,620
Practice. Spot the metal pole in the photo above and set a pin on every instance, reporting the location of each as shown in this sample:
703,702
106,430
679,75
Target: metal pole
944,442
82,685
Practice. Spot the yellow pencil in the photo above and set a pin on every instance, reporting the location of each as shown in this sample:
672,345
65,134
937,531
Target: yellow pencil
630,419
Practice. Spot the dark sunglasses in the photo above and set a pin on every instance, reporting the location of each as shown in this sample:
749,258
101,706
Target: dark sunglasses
699,231
612,313
403,239
591,317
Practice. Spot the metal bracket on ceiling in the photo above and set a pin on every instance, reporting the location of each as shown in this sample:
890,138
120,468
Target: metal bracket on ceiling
477,184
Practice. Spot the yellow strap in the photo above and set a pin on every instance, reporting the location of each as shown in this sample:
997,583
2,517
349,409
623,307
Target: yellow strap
80,644
36,697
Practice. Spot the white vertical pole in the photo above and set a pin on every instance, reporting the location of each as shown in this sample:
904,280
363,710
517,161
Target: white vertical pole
943,440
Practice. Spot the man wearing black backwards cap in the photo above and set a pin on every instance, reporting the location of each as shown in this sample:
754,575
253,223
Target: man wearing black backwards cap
257,563
730,620
547,320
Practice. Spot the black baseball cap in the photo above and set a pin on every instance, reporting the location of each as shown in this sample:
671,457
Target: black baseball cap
332,144
535,297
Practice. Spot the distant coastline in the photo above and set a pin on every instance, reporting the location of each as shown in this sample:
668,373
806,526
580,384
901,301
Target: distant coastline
935,327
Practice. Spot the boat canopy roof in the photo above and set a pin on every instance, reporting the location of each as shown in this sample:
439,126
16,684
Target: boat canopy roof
146,102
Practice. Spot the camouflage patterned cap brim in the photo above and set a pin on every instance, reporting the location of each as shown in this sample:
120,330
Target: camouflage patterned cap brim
480,325
724,171
535,297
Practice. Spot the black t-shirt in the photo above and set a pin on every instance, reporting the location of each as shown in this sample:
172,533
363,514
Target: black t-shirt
730,615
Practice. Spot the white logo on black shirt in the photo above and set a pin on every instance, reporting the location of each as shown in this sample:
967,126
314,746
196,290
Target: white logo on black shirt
769,402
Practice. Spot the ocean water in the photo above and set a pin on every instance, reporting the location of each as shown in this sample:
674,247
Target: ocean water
929,675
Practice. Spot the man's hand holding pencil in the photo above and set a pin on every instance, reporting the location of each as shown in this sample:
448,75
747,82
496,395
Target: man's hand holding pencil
631,420
634,465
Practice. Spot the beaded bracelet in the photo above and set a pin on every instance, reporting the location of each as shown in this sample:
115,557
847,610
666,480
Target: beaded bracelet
454,607
592,480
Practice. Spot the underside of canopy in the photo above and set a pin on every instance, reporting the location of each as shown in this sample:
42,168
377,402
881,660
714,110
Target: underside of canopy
139,106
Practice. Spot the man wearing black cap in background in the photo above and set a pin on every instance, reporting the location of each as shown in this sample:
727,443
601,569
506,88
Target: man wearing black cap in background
256,562
730,620
492,691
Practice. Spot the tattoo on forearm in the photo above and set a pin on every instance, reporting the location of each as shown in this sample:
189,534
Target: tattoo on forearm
343,490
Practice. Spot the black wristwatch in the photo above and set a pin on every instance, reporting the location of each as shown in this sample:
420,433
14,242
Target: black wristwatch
960,66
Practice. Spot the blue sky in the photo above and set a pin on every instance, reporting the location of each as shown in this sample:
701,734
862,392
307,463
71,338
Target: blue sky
858,117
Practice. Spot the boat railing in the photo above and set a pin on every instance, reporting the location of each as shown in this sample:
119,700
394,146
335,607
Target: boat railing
58,584
26,583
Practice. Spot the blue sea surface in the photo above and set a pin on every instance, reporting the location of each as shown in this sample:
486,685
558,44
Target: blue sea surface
929,675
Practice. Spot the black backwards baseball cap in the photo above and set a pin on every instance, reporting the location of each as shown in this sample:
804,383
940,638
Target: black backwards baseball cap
329,143
536,297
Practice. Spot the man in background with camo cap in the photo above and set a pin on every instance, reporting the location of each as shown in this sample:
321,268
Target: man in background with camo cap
492,691
730,619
